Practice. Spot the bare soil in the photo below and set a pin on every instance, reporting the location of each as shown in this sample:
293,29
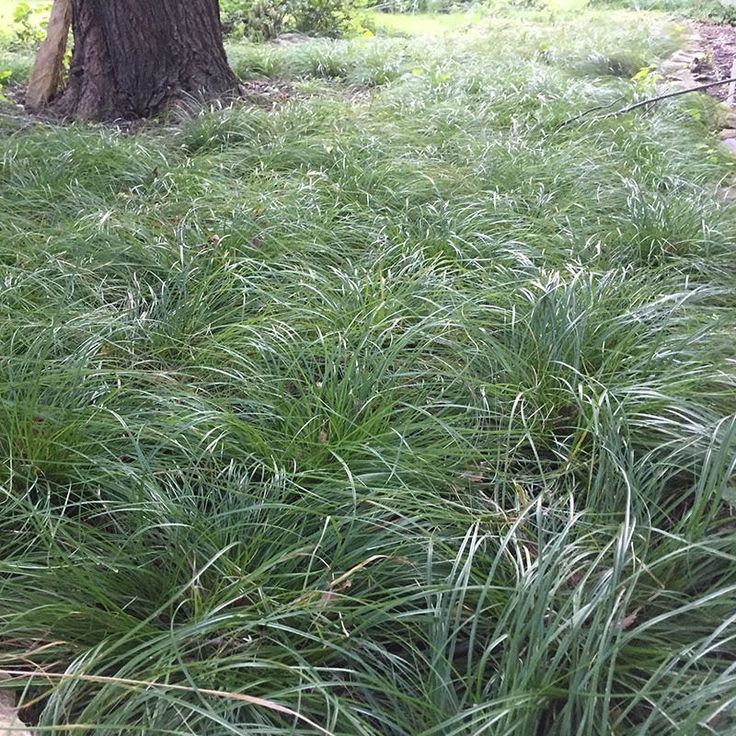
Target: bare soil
719,44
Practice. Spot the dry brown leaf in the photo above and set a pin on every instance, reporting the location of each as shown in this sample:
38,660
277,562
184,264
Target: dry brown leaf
474,477
10,724
323,436
327,597
330,595
630,620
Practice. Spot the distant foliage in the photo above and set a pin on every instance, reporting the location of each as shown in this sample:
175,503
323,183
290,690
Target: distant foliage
262,20
422,6
410,6
258,21
450,6
29,25
4,76
713,10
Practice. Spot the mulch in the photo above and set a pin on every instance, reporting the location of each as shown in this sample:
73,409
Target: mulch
719,43
267,93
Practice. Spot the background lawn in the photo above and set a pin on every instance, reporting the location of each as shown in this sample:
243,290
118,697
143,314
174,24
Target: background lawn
8,7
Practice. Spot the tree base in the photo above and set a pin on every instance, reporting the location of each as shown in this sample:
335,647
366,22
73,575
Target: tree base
132,58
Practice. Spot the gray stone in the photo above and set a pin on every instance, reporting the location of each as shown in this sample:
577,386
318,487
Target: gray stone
670,67
727,133
729,145
684,57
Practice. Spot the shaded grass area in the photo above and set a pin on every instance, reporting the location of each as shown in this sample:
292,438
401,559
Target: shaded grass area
406,413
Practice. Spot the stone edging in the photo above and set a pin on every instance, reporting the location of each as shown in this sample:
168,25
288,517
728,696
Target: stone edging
689,67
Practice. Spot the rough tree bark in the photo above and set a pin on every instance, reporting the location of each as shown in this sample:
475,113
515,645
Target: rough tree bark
132,57
46,75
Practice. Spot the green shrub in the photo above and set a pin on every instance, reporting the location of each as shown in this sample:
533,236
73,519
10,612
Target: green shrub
262,20
422,6
29,26
257,21
322,17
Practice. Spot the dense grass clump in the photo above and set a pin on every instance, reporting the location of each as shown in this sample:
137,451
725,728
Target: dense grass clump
389,412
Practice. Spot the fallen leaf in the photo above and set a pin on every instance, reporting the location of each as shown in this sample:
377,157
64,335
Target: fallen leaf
474,477
329,595
10,724
323,436
630,620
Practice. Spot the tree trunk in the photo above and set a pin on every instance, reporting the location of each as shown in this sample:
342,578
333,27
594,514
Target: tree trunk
46,75
132,57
